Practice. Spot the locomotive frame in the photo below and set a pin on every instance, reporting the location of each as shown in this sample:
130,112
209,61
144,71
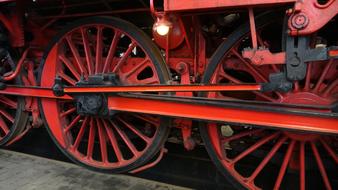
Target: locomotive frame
106,81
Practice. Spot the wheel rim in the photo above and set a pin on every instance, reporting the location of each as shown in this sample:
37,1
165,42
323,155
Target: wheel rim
118,143
13,118
9,115
295,151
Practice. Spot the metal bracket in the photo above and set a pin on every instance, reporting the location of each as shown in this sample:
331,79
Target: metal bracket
278,82
263,56
295,57
309,16
58,87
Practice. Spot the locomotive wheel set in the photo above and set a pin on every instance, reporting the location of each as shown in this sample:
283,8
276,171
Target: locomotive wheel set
257,88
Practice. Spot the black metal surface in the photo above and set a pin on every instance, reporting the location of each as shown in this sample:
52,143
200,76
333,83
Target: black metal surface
295,54
277,82
57,87
92,104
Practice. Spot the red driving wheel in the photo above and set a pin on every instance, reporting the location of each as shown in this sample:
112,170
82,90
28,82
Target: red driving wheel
261,158
97,46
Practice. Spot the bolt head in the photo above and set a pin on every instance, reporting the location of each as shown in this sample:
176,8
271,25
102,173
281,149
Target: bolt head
300,21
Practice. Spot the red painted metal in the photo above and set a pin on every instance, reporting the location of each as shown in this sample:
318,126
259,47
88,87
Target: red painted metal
303,20
186,50
122,11
196,5
13,23
176,35
32,92
264,57
186,110
21,135
333,53
117,133
151,164
253,28
185,124
164,88
304,17
313,90
197,111
11,76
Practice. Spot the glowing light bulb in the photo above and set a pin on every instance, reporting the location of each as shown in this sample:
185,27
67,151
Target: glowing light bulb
162,26
162,29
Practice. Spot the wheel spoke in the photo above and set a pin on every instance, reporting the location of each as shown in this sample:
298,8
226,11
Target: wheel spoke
253,70
296,86
320,166
113,141
8,102
329,150
73,123
302,165
236,81
284,165
91,139
149,81
330,87
267,158
76,55
308,77
125,138
89,56
254,147
135,130
81,133
132,74
242,134
124,56
7,115
228,77
264,96
149,119
67,78
69,111
111,51
4,126
260,40
99,44
275,69
103,141
323,75
70,66
250,66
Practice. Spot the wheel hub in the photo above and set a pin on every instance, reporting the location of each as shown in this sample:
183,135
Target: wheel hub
308,98
94,104
301,136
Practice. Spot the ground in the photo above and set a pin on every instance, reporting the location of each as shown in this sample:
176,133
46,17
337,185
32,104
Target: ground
20,171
